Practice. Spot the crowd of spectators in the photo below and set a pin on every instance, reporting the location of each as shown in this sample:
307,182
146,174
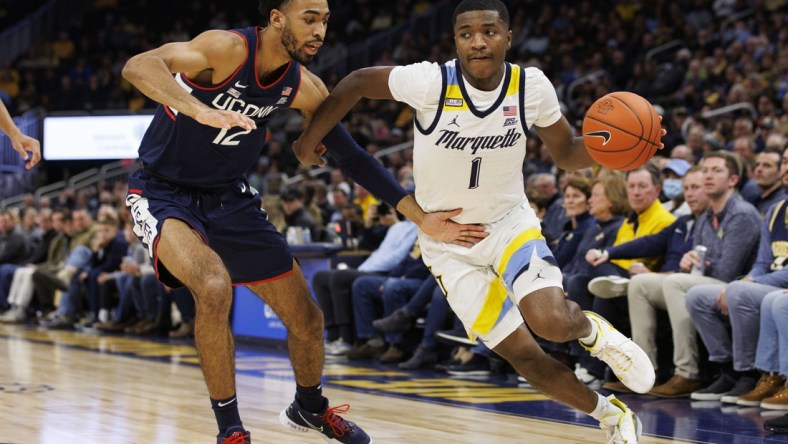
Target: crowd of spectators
626,242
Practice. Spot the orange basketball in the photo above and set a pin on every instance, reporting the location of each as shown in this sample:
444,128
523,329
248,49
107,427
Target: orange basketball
622,131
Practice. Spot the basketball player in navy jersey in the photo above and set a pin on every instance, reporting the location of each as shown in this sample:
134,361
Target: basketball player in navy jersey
202,222
472,114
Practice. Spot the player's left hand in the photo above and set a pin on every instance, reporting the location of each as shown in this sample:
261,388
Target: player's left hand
664,133
439,226
29,148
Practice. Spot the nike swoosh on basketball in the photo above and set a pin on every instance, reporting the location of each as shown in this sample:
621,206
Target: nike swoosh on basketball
222,404
603,134
311,426
238,85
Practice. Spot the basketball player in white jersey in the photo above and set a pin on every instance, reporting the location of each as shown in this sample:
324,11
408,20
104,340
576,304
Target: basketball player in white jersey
470,133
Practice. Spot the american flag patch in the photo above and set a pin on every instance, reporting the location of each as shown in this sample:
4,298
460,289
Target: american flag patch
286,91
509,111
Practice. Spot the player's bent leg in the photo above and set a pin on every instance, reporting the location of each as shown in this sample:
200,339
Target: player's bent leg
558,382
553,317
200,269
290,299
543,372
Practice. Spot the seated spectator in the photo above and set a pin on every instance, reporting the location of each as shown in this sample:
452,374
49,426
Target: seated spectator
369,294
297,216
717,310
108,250
48,280
771,392
20,293
184,302
137,308
364,199
643,188
332,288
771,357
766,187
13,247
607,205
377,222
575,201
644,288
725,229
554,218
672,186
402,318
36,255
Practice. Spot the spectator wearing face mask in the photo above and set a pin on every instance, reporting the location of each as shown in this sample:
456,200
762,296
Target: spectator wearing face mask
672,194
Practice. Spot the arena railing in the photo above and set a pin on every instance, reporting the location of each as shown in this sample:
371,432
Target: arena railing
735,109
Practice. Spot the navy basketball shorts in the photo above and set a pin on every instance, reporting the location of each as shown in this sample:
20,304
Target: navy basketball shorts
229,220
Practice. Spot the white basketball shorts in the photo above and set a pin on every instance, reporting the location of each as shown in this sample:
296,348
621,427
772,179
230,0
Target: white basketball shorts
484,284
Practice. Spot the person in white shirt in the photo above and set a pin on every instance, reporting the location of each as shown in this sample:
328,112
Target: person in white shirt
470,137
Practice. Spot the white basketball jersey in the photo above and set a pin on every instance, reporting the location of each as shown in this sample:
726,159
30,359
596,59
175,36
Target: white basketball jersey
466,156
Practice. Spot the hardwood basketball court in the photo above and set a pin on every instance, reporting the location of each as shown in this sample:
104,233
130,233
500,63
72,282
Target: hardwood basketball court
64,386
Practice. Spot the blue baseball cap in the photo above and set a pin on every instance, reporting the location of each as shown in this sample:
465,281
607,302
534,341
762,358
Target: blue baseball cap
678,166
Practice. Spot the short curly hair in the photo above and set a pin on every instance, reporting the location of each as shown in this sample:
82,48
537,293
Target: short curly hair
481,5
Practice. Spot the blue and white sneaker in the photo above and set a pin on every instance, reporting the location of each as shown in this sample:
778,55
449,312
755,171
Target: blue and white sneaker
327,422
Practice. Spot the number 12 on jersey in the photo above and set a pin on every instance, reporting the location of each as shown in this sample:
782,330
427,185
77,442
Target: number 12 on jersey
223,139
476,166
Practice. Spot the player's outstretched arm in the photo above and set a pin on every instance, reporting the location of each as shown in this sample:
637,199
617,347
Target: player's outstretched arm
323,126
21,142
371,83
568,152
220,51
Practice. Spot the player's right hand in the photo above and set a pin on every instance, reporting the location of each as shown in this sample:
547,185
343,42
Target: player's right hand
439,226
29,148
219,118
311,157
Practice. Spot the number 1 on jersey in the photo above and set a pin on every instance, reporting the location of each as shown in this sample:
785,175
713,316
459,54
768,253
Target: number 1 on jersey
476,165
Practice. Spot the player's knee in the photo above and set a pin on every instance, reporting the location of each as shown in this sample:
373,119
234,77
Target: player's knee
215,294
309,325
555,323
311,329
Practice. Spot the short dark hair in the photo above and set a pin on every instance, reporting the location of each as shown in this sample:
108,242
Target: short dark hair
732,162
481,5
266,6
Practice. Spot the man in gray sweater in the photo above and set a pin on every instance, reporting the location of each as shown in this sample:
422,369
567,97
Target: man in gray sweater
727,231
736,307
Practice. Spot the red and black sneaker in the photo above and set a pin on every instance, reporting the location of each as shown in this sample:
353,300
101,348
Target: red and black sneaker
234,436
327,422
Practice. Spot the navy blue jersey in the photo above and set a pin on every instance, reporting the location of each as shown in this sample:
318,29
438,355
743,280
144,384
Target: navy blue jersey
191,154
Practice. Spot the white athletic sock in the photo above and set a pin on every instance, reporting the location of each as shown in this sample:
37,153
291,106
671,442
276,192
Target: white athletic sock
591,338
604,409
